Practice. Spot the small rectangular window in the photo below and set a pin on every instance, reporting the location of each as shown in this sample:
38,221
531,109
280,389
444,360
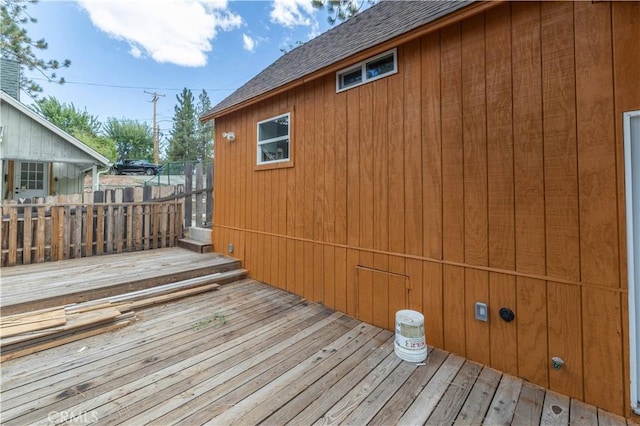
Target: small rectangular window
372,69
352,78
274,139
380,67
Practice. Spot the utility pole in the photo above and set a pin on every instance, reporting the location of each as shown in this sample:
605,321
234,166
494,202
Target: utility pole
156,142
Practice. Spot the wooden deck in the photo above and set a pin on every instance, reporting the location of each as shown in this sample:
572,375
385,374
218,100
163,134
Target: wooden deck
248,354
31,287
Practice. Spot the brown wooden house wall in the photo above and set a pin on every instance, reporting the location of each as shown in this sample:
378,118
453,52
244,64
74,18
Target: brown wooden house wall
490,168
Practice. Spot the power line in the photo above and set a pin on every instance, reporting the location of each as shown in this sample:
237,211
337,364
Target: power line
117,86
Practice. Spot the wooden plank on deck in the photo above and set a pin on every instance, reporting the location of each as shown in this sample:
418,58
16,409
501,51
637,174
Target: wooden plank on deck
398,404
352,398
427,400
504,401
555,410
456,394
477,403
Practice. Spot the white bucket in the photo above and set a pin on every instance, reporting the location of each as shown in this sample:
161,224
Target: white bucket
410,344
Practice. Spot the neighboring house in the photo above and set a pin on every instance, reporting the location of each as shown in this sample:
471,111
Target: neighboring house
433,155
39,159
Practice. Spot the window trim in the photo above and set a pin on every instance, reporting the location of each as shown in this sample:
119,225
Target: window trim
363,70
274,164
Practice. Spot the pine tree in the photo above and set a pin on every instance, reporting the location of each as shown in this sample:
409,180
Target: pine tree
16,44
341,10
204,131
183,145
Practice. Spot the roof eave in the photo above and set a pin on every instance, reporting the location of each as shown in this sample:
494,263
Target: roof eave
55,129
452,18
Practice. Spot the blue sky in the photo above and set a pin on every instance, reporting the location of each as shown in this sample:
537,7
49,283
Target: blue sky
120,48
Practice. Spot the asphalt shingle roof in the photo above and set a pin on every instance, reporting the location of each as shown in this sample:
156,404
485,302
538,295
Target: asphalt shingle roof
381,22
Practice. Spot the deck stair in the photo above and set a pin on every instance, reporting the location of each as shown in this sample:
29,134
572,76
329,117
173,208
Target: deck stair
198,240
28,288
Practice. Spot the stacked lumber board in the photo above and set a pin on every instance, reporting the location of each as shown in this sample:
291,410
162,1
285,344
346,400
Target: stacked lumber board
30,332
23,334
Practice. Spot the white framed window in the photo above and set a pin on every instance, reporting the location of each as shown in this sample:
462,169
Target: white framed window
32,175
274,139
379,66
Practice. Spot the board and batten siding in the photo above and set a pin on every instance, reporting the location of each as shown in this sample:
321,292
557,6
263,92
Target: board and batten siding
489,168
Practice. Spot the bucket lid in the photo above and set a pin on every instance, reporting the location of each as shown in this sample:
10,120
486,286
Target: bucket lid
407,316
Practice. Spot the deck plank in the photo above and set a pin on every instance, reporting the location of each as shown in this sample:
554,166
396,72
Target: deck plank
289,379
582,414
555,410
247,377
352,398
426,401
478,400
530,404
314,384
398,404
456,394
275,358
365,412
129,366
504,401
169,372
148,336
122,393
610,419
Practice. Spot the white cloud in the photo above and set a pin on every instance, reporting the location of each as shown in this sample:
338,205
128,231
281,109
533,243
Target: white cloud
248,43
292,13
171,31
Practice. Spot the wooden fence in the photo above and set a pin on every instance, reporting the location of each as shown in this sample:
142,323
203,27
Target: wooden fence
34,233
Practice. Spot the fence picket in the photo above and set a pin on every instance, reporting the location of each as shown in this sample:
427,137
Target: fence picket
13,237
146,217
41,240
28,234
199,203
114,220
109,219
119,224
100,230
77,232
65,232
89,229
138,221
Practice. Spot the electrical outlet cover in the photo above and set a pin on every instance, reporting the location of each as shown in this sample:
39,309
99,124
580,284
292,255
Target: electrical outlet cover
482,312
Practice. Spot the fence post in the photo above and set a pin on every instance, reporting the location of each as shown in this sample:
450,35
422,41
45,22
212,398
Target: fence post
199,204
27,236
12,257
188,200
65,230
77,232
41,239
209,209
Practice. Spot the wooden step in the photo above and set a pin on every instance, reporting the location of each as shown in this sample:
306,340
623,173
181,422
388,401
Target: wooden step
193,245
86,279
